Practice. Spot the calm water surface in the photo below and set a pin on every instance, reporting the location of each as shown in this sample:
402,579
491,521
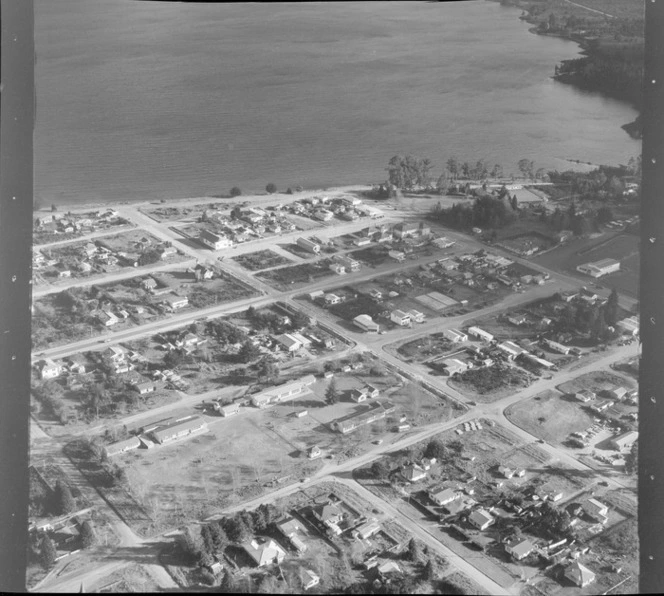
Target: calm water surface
144,100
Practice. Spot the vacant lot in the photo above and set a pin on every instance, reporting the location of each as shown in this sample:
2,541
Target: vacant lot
550,416
597,382
298,276
262,259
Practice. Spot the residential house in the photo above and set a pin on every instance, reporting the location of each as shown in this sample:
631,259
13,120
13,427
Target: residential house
443,496
505,472
149,284
517,320
404,229
331,299
397,255
288,342
201,272
314,452
308,245
601,405
416,316
618,393
585,395
49,369
366,323
579,575
309,579
481,519
264,552
213,241
77,363
596,510
337,267
107,318
168,251
145,387
413,473
323,215
367,530
376,294
174,302
519,549
291,529
349,263
455,336
400,317
454,366
358,395
330,515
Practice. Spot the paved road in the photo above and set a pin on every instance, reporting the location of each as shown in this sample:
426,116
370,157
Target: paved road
606,14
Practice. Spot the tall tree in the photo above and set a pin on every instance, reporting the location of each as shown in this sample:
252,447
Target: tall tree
63,500
88,536
452,166
632,459
48,552
332,394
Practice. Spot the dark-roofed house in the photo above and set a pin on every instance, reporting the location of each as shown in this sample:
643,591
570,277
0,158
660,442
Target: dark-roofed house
213,241
579,574
331,515
413,473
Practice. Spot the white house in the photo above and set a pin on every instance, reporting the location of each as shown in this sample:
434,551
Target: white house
400,317
213,241
481,519
49,369
520,549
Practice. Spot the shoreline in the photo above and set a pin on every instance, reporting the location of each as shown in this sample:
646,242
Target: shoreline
256,199
633,128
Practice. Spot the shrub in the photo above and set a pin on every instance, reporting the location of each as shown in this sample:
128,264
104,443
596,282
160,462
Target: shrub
235,191
271,188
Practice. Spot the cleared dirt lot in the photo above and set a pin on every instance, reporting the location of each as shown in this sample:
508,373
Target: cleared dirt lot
550,416
262,259
597,381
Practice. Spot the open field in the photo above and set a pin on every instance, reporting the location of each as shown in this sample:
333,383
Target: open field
550,416
622,247
263,259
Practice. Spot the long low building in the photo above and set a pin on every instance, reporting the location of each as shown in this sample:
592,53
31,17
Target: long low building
362,416
480,334
179,429
283,392
122,446
599,268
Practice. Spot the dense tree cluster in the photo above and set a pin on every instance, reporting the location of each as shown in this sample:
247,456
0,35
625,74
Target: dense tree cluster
485,212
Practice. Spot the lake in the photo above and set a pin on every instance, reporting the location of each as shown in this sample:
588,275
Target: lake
150,100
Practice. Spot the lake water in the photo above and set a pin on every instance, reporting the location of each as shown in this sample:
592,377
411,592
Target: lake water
144,100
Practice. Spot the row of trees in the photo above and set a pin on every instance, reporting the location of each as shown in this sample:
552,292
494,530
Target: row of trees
407,172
